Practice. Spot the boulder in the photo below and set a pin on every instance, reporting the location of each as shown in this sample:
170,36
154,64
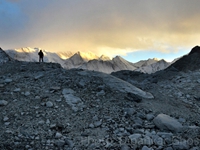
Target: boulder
165,122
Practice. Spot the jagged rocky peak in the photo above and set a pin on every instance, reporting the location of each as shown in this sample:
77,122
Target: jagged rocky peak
196,49
87,55
118,58
188,62
104,58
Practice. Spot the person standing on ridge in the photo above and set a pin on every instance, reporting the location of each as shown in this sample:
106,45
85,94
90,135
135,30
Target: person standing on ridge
41,55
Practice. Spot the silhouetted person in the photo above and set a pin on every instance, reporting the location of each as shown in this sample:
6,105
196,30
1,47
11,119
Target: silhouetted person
41,55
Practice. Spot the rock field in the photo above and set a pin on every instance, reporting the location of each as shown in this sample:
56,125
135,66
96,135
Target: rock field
44,106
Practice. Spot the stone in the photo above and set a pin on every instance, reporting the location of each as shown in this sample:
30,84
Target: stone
129,111
180,145
165,122
146,148
125,147
135,138
17,90
58,135
38,76
5,118
59,143
150,117
101,93
49,104
41,122
8,80
91,125
3,103
69,143
97,123
168,148
27,93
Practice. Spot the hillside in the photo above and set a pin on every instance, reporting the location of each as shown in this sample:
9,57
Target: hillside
188,62
44,106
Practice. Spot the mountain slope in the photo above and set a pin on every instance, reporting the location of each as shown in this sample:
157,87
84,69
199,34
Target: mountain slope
108,66
3,56
148,62
154,67
188,62
44,106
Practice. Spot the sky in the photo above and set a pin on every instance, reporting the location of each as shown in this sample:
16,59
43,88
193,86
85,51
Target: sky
134,29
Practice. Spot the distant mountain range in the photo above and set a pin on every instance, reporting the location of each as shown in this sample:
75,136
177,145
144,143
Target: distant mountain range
88,61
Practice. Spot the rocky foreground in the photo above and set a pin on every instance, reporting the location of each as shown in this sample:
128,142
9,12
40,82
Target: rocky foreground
46,107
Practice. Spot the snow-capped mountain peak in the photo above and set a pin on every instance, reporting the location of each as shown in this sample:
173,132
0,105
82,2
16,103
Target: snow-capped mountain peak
87,55
104,58
87,60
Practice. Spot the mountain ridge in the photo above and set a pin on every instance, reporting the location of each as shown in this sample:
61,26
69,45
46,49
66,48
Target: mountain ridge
85,60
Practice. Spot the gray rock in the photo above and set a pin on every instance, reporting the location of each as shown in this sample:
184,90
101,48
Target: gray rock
5,118
159,141
91,125
101,93
41,122
125,147
58,135
49,104
165,122
3,103
27,93
129,111
123,86
73,101
97,123
181,145
165,134
168,148
69,143
147,140
38,76
8,80
68,91
59,143
17,90
135,138
146,148
150,117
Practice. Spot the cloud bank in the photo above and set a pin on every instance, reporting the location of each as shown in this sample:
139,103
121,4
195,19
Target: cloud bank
109,27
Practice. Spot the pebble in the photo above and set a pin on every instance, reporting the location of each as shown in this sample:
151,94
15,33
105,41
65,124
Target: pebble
5,118
8,80
59,143
27,93
49,104
3,103
17,90
97,123
58,135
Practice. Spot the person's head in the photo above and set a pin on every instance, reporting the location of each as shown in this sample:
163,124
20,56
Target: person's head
40,50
